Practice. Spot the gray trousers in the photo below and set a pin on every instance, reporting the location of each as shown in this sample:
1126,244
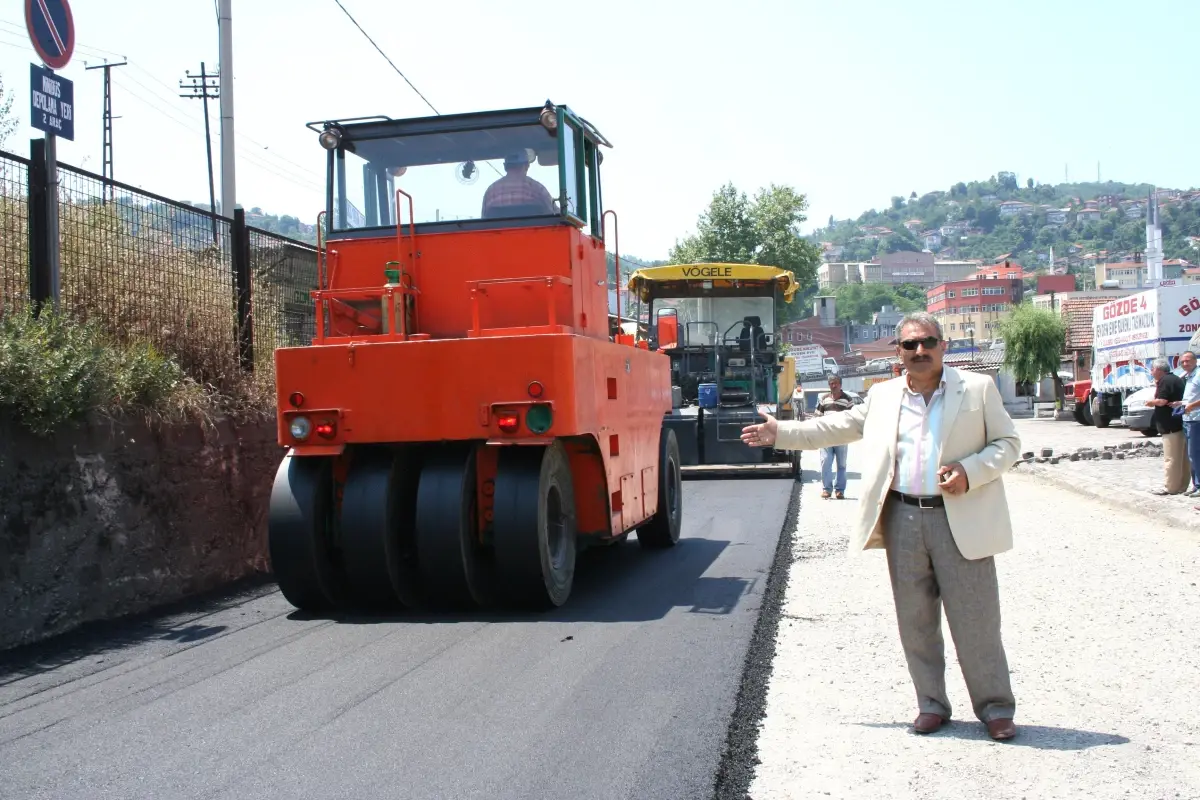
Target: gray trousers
927,571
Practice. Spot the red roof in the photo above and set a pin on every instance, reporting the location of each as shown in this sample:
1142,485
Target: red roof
1077,315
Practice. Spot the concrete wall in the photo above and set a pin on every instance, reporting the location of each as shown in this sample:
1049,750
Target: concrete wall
112,519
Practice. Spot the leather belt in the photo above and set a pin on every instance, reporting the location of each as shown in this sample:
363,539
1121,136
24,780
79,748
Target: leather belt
934,501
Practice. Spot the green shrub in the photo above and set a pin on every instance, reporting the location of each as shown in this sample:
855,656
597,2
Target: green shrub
55,369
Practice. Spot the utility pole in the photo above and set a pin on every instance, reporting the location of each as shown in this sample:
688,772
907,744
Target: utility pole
106,149
204,90
228,188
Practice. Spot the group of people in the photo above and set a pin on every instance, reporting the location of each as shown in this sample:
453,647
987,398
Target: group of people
1177,419
936,444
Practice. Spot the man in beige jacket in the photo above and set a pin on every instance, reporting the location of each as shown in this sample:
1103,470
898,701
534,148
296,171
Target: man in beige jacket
937,442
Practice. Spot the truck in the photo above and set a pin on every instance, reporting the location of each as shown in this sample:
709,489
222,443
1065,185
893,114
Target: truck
466,417
810,360
1128,334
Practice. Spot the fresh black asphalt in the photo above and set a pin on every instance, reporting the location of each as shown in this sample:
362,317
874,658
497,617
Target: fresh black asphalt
646,685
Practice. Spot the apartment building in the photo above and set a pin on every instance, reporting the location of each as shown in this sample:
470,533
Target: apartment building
893,269
973,308
833,274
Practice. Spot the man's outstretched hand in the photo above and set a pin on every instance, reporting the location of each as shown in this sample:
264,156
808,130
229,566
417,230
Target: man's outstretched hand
761,435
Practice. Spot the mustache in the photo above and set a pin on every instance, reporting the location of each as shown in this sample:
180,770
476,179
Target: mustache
921,358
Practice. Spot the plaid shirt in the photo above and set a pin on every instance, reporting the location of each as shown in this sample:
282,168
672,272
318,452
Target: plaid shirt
517,190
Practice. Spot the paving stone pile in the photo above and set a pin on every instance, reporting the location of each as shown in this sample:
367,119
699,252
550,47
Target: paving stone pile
1108,452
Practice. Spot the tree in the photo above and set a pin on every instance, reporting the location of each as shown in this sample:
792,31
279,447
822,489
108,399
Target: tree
1029,183
765,230
857,302
901,242
1034,340
8,123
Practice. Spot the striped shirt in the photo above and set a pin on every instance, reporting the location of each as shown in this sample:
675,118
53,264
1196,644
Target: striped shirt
827,403
918,437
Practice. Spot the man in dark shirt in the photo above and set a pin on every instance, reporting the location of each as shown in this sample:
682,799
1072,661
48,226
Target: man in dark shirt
1170,426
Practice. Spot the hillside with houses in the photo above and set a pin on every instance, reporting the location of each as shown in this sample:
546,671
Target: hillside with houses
1078,225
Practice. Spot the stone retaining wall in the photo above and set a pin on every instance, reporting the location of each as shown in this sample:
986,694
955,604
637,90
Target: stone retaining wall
112,519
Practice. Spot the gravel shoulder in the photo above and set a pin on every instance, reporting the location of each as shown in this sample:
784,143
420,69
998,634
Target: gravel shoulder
1101,614
1125,480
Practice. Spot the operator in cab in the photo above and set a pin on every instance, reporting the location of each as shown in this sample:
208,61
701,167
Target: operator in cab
516,194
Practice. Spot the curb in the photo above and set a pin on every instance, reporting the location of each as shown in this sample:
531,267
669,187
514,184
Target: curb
739,756
1150,504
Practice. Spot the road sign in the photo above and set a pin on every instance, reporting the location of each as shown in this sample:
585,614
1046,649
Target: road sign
51,103
52,30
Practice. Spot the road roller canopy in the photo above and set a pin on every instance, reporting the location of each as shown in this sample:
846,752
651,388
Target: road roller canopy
684,279
485,170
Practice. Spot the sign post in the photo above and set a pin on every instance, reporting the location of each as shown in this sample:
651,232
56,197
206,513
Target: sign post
51,28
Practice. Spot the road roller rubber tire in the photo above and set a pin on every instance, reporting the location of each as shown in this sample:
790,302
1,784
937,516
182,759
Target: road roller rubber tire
378,519
300,535
535,526
662,530
453,571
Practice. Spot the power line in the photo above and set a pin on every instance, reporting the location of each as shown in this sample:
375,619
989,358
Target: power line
239,132
398,72
190,125
264,166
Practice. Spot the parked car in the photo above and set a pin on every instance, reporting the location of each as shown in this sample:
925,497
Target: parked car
1136,415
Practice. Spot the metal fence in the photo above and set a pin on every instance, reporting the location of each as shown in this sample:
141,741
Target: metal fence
14,234
282,273
214,293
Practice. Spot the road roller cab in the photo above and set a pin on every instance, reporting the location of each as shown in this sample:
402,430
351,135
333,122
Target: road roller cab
464,420
717,324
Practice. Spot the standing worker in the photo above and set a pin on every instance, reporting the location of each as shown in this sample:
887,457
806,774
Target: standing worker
1167,395
1191,416
937,445
832,402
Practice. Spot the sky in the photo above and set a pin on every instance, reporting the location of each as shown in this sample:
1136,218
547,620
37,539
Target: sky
848,102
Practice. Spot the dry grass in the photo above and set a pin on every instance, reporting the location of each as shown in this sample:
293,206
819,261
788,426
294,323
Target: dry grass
147,320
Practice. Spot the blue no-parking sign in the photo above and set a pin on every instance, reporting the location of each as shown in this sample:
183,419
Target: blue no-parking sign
52,31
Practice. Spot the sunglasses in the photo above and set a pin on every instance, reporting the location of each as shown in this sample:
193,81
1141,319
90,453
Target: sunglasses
930,342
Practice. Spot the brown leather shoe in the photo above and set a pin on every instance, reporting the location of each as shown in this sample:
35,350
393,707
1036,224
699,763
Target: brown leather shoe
928,722
839,496
1001,729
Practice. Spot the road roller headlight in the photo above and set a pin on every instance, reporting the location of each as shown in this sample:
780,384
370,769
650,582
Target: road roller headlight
330,138
300,428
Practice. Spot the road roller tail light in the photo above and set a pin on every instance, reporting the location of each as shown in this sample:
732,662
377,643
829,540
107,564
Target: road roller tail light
326,430
508,421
